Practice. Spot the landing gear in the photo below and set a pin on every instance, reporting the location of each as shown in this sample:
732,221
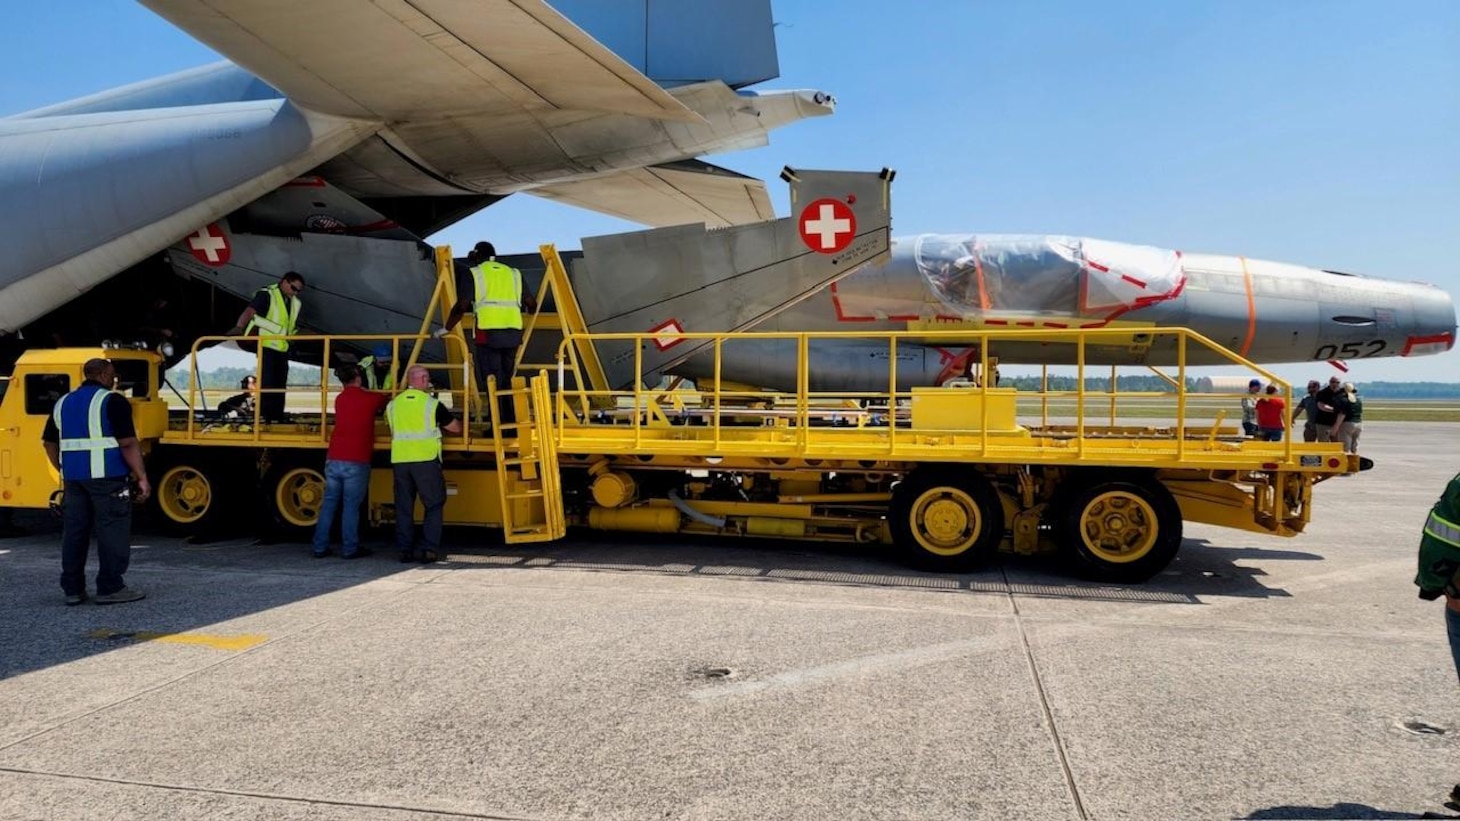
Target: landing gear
946,520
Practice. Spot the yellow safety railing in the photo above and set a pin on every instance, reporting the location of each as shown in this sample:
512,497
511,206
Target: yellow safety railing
315,416
800,416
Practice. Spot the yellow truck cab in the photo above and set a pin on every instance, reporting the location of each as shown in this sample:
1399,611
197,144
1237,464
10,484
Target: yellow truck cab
29,395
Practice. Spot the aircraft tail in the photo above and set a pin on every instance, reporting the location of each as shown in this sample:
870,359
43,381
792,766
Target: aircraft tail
685,279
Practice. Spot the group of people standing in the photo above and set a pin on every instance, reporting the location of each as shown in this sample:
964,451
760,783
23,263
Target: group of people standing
91,439
494,295
417,421
1331,414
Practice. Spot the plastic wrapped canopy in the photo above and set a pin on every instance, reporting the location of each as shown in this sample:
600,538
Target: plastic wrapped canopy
975,275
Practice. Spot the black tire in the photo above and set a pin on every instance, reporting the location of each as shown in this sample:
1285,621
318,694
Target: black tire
947,520
292,492
192,494
1123,530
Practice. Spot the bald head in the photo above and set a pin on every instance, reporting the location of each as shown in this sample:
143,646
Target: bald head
417,376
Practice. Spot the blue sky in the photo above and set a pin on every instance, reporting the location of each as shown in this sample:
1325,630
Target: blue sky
1317,132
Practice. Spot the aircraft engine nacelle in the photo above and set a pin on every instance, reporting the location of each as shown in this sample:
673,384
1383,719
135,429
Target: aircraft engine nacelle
84,196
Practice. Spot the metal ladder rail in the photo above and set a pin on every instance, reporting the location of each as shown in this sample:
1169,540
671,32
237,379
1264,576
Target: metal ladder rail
527,460
568,321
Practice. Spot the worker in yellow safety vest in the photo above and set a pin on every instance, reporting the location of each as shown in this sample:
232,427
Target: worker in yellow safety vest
378,369
1439,573
272,314
493,293
416,421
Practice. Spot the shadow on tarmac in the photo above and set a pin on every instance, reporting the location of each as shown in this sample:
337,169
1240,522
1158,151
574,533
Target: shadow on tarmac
1341,811
194,586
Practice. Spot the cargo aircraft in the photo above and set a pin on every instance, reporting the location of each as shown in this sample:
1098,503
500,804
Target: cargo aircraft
340,133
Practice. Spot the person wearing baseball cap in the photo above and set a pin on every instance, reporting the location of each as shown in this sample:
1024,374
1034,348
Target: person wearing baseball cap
1308,406
376,369
1249,407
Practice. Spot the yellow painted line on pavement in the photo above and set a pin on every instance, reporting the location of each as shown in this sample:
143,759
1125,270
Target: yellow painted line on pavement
240,642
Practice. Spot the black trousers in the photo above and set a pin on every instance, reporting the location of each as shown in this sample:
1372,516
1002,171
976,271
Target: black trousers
498,362
426,480
274,373
103,508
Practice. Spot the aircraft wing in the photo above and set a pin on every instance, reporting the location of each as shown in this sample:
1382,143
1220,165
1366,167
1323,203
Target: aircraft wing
670,194
422,59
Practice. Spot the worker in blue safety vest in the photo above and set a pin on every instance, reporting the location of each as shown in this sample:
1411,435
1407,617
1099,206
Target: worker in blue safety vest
90,439
493,293
273,314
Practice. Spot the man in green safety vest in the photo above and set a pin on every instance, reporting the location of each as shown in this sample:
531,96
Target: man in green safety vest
416,421
1439,567
273,313
493,293
377,369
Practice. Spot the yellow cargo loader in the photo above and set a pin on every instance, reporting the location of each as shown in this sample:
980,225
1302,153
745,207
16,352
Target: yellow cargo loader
944,477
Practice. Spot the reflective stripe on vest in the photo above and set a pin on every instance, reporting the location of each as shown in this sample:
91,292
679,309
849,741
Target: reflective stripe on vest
498,296
1443,529
367,367
104,455
414,434
282,319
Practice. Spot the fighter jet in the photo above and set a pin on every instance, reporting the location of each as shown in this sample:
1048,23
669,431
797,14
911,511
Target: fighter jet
340,133
1268,312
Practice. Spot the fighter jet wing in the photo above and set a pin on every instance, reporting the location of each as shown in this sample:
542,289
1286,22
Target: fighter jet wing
422,59
670,194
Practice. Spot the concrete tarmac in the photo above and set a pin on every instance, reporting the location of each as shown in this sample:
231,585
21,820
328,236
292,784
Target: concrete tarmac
633,678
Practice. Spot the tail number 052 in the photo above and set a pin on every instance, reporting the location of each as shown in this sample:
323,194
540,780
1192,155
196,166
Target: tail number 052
1350,350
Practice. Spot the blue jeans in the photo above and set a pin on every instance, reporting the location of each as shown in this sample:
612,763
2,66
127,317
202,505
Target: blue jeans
349,480
1270,434
1452,629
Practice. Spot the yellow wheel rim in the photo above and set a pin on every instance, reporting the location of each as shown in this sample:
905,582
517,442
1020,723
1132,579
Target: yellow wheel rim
184,494
298,495
1119,526
945,521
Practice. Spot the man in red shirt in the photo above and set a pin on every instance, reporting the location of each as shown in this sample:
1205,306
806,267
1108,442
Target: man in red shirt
1271,421
347,465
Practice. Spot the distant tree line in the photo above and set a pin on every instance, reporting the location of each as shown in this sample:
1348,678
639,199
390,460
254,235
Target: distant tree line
1155,384
1410,390
1142,383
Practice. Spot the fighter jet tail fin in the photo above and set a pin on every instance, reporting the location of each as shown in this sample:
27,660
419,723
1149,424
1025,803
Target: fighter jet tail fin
687,279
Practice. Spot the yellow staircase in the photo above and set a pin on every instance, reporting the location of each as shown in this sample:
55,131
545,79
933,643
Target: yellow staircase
528,483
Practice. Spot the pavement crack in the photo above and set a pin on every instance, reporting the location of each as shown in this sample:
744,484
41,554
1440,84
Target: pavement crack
290,799
1054,730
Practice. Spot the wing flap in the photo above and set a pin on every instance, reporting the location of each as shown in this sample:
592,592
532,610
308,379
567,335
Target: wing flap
422,59
675,194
